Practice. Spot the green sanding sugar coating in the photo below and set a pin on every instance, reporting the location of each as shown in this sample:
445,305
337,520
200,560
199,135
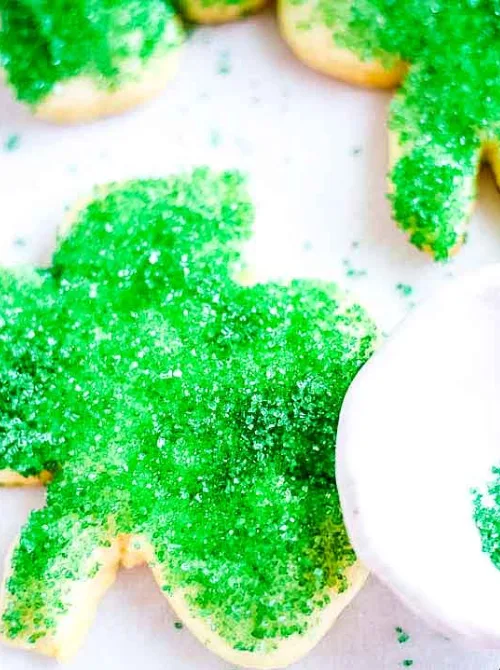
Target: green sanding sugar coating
487,517
447,107
43,42
174,404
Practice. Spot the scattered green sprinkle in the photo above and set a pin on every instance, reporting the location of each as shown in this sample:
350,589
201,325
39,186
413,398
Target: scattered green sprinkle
215,138
176,408
224,63
178,625
407,663
402,635
12,143
404,290
356,151
352,272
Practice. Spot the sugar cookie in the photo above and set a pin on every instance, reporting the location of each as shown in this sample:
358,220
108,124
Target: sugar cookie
444,118
186,421
71,63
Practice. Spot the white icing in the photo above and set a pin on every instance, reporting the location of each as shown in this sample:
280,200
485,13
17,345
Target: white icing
420,428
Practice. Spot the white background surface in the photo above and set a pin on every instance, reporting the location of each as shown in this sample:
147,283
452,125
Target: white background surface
315,152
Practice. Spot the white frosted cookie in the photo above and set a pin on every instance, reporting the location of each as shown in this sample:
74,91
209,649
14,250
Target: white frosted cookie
418,460
179,419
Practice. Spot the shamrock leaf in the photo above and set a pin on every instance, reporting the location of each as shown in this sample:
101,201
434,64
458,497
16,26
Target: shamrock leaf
445,116
183,419
74,60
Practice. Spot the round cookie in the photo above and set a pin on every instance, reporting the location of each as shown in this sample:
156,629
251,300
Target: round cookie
419,476
186,421
444,119
72,64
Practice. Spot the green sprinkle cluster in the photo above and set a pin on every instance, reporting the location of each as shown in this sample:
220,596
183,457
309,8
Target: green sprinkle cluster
487,517
175,405
447,108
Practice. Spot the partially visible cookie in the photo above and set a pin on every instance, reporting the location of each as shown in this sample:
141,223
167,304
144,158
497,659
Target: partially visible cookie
183,420
308,27
445,117
71,62
219,11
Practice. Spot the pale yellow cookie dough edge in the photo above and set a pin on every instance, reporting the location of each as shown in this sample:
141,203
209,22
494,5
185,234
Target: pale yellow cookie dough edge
198,12
82,99
132,551
315,47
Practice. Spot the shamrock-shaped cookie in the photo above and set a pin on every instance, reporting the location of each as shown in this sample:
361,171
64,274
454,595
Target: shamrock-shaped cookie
182,419
445,117
76,60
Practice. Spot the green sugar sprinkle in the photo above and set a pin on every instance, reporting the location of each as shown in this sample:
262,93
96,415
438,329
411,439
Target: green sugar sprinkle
12,143
224,63
446,108
175,405
352,272
402,635
487,517
404,290
215,138
407,663
178,625
43,43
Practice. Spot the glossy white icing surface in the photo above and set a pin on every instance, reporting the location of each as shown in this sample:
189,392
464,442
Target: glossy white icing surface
419,430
